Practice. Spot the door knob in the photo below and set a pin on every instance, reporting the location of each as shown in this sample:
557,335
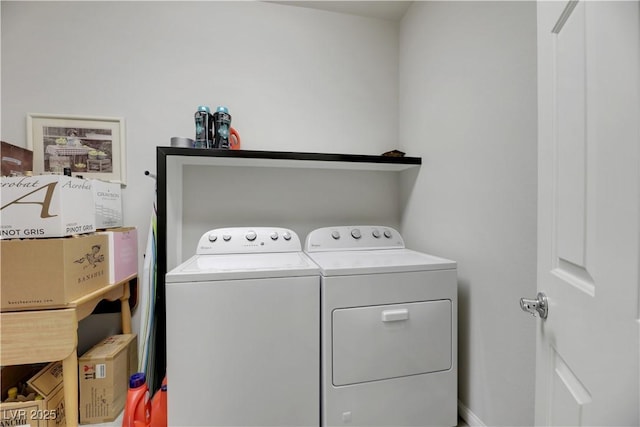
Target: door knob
538,306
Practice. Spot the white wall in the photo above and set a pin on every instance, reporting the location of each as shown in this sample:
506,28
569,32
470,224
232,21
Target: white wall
283,197
468,107
294,79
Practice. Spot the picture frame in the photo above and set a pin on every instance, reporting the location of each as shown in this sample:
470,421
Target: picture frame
91,146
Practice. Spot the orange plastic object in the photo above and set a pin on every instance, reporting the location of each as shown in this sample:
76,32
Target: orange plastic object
137,409
234,139
159,408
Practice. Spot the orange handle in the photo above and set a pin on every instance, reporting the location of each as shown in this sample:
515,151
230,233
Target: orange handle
234,139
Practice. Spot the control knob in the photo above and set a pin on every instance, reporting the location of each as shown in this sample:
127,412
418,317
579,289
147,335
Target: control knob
226,237
375,233
212,238
387,234
251,236
274,235
355,233
335,234
286,235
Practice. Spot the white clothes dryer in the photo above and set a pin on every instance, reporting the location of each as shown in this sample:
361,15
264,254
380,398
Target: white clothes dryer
243,332
388,330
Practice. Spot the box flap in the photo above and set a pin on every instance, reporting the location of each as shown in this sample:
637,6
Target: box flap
48,379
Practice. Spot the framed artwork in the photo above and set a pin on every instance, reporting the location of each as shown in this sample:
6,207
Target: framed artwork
93,147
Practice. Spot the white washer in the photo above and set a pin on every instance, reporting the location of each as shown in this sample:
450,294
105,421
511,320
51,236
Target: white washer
243,332
389,330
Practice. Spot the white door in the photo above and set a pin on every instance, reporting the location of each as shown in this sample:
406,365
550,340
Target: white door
588,359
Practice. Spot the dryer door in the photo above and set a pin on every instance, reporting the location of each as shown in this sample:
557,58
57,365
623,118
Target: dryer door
389,341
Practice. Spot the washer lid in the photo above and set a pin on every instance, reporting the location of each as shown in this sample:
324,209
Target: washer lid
242,266
342,263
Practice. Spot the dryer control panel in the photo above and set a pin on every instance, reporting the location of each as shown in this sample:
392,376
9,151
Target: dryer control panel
358,237
241,240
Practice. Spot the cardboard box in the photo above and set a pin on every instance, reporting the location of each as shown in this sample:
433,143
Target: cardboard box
104,373
40,273
48,412
107,197
45,206
123,253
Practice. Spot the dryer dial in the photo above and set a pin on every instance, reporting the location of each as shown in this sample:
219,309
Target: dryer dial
355,233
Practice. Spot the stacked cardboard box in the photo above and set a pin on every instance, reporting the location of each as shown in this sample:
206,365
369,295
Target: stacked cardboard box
46,273
107,197
50,252
123,253
57,206
46,206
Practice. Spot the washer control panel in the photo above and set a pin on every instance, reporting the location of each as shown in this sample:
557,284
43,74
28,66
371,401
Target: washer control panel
358,237
237,240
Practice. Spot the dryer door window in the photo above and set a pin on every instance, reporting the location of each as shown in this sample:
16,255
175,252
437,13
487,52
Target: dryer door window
389,341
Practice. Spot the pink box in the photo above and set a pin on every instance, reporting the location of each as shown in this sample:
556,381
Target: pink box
123,252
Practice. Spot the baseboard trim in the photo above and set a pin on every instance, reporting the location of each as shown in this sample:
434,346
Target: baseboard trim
469,417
